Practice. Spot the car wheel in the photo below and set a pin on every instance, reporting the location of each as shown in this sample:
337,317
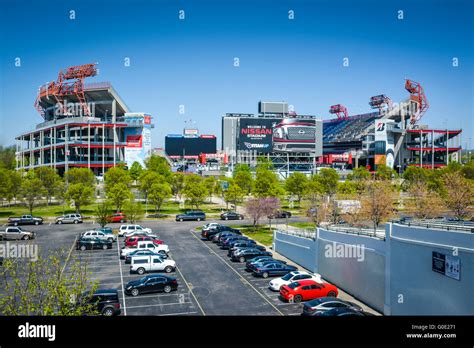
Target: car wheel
199,219
265,275
141,270
297,299
60,222
37,223
167,289
15,224
331,294
83,247
108,312
1,237
110,240
135,292
25,238
168,269
241,217
242,259
104,247
227,218
76,222
181,220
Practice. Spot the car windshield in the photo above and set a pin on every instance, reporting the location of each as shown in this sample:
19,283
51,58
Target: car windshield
287,277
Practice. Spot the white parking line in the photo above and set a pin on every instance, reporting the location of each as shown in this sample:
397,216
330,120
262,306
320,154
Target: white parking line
191,291
162,304
240,276
152,296
181,313
68,256
121,279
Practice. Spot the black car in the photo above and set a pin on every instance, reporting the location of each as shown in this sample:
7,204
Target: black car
244,254
215,237
280,215
25,220
272,269
231,215
151,283
225,243
251,264
221,228
343,312
193,215
93,243
105,301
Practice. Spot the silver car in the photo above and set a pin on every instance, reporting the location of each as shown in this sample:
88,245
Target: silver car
16,233
69,219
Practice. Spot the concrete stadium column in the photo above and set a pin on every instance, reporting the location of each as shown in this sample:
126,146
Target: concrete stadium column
66,148
41,147
89,146
103,149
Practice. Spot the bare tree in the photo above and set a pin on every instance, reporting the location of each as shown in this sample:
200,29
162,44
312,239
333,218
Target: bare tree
257,208
459,194
377,202
424,203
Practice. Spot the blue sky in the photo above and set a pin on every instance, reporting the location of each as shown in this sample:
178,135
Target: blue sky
190,62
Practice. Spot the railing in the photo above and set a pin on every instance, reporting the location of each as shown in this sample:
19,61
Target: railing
464,226
304,233
367,232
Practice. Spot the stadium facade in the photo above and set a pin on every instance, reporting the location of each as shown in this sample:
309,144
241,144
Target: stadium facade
392,135
84,125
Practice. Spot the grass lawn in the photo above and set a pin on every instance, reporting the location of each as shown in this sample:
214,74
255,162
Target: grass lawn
262,234
303,224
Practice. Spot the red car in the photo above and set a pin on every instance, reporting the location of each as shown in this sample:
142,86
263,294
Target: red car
133,241
117,217
306,290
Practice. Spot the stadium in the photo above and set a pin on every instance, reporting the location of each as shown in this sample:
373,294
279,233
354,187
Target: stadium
84,125
391,134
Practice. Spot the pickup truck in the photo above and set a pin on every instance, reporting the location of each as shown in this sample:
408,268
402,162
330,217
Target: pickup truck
148,245
25,220
16,233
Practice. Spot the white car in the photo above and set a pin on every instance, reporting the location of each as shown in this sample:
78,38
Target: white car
291,277
125,229
97,234
142,264
210,226
157,248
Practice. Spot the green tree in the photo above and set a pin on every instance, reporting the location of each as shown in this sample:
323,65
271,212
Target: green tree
43,288
148,178
347,188
118,194
50,180
79,194
177,184
80,176
159,192
328,178
194,190
133,210
384,172
7,157
296,185
158,165
135,170
31,191
243,177
468,170
102,213
358,174
266,183
234,195
115,176
210,184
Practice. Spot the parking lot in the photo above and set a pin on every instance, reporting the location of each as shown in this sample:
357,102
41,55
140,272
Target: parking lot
208,282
